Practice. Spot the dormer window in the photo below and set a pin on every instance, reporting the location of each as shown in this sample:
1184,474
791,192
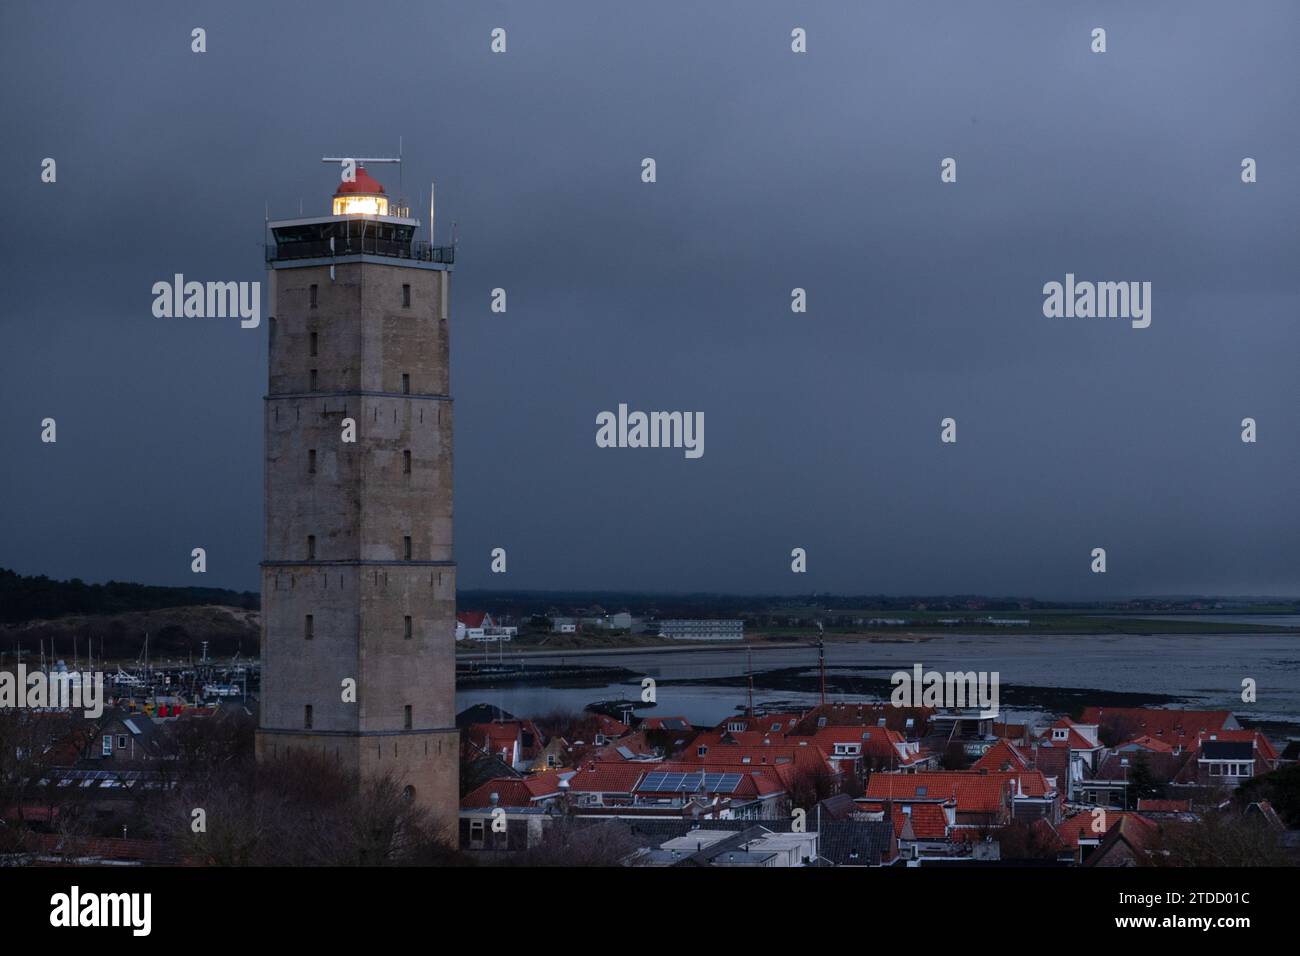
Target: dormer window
1060,733
701,751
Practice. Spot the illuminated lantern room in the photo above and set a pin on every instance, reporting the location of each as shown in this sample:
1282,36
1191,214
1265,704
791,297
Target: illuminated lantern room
362,197
363,221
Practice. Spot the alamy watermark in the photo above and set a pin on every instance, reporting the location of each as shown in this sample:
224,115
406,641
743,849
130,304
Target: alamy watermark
952,689
651,430
76,909
1100,300
62,690
208,300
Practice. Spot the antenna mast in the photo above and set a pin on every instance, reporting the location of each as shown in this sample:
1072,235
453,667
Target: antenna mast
749,666
821,658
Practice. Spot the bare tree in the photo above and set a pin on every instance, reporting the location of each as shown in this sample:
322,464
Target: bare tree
299,810
1219,839
568,843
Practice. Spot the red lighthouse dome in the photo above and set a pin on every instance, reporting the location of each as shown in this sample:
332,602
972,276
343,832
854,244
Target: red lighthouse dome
363,196
365,183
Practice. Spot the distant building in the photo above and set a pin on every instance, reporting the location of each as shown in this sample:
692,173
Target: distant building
524,828
754,846
709,630
479,626
128,739
474,619
517,743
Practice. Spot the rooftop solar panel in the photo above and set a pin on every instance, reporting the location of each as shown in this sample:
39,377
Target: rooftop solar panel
707,781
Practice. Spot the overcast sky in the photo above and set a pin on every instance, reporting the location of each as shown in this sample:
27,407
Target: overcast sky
775,171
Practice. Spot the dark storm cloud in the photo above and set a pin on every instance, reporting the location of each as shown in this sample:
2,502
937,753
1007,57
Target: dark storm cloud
775,171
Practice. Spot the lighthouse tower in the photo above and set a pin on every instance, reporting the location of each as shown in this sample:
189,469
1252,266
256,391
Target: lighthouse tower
358,582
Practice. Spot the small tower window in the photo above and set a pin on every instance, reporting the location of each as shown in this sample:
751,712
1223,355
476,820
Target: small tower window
406,548
306,717
406,719
406,461
407,627
406,296
309,627
313,298
311,547
314,340
311,461
312,387
406,383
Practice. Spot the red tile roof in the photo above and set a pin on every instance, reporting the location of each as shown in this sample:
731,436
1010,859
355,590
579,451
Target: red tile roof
636,744
929,821
867,715
1073,739
1263,746
804,756
681,724
1139,833
1001,756
1168,725
514,791
1164,806
875,743
500,736
607,777
762,723
623,778
104,848
975,792
1083,825
1010,731
611,727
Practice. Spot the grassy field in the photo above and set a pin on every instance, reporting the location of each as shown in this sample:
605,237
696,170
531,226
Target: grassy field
1038,624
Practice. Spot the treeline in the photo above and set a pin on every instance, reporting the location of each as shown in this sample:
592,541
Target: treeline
35,598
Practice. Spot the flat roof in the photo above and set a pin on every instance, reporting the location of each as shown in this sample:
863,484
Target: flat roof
310,220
